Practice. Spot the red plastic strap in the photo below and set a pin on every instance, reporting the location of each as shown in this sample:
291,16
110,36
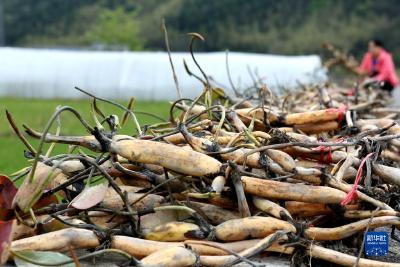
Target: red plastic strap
351,92
341,111
352,195
322,149
341,139
329,157
322,158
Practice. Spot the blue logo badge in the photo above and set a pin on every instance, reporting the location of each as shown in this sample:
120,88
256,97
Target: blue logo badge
376,243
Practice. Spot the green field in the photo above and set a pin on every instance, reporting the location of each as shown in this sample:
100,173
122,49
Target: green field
36,112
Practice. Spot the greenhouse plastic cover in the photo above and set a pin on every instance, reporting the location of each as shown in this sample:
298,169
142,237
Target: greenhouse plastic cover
48,73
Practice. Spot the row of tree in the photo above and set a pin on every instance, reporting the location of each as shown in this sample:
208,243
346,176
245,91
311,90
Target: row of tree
265,26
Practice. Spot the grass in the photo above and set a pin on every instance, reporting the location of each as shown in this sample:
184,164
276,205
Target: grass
36,112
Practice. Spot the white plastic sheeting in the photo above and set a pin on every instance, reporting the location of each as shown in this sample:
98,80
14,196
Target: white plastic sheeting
44,73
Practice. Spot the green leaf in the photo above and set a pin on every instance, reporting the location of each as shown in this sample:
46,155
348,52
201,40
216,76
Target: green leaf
31,258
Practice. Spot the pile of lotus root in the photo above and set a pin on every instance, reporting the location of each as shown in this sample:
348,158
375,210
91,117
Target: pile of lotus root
303,175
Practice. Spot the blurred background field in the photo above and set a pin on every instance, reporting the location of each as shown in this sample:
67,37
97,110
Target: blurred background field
36,112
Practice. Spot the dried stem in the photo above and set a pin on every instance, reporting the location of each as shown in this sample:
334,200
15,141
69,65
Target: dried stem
115,104
47,128
164,28
19,134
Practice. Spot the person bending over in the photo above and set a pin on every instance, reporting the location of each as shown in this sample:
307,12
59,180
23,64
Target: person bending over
378,65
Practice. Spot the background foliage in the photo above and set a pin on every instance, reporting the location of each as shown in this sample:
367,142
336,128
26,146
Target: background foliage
266,26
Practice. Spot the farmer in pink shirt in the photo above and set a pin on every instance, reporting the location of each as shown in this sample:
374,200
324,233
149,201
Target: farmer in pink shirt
378,65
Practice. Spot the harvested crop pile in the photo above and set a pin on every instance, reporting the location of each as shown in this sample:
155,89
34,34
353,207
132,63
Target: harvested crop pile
225,178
